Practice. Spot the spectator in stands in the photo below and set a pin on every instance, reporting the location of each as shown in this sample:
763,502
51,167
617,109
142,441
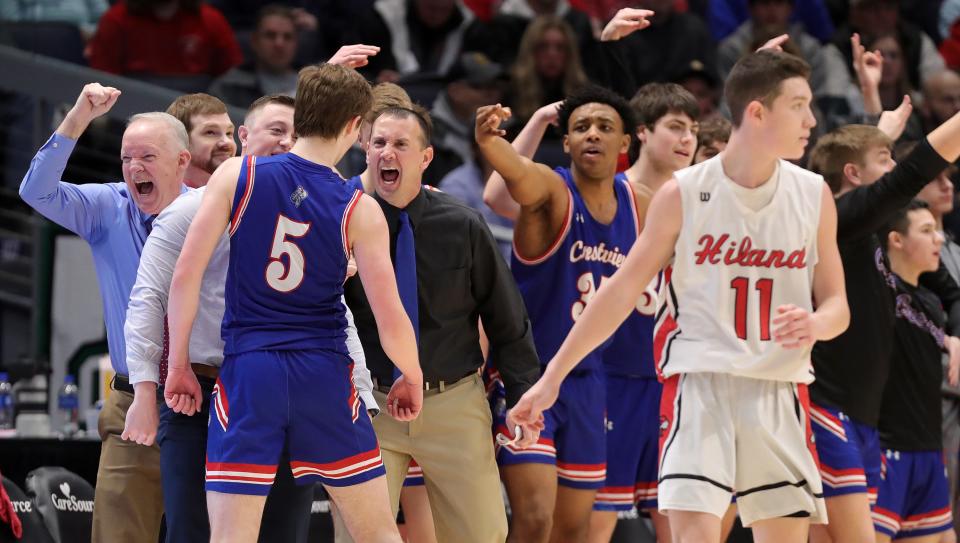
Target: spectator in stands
875,18
164,38
414,36
894,83
725,17
466,183
83,13
768,18
473,81
271,70
211,134
941,98
672,40
548,67
712,138
115,219
703,84
501,38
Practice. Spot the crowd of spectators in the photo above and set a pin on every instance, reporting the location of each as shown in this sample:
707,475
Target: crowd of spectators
455,55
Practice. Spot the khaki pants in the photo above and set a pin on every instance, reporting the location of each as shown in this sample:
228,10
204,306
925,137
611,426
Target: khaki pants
452,442
128,502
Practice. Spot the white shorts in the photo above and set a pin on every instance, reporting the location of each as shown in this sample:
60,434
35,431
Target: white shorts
722,435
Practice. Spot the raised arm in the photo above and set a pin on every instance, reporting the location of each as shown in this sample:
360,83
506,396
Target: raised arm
495,193
614,301
529,184
182,391
82,209
370,240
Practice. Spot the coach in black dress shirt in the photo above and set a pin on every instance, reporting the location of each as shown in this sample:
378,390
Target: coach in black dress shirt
460,278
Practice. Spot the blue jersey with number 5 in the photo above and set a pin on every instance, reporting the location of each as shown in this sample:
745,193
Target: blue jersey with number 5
288,257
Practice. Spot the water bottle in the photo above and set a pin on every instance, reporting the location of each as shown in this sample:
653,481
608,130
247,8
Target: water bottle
68,403
6,402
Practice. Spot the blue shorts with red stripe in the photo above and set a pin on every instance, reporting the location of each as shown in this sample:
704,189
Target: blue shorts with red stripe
914,496
305,399
573,438
849,453
414,474
633,439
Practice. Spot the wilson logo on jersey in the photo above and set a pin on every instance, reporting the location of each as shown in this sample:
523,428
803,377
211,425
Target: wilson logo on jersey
743,254
704,196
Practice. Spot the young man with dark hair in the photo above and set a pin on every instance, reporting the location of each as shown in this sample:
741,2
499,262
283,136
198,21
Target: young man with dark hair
853,368
285,378
712,138
914,499
752,242
211,134
573,229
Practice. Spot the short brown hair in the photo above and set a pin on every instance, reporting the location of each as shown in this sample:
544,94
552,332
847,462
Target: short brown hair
845,145
653,102
188,105
421,115
264,101
713,130
328,97
759,76
387,95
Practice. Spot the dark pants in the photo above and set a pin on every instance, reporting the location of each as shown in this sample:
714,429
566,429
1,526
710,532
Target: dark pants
183,452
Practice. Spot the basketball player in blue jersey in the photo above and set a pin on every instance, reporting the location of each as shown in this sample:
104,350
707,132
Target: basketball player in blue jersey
755,280
573,231
286,373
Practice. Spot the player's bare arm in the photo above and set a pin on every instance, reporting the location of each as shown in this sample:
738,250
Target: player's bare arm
495,193
794,326
541,193
182,390
614,300
945,139
370,240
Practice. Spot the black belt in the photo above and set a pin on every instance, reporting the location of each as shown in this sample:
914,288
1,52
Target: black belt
121,383
438,385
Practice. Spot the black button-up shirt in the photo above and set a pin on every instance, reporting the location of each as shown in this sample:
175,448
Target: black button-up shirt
461,277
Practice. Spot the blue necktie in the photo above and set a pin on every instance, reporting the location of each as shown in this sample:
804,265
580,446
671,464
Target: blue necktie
405,268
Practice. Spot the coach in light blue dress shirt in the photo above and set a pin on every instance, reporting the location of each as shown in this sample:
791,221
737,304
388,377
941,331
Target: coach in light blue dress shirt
114,219
103,215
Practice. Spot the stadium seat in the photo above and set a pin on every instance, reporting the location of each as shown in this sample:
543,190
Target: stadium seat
53,39
65,501
34,531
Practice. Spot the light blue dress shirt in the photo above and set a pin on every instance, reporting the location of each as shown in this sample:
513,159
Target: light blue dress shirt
106,217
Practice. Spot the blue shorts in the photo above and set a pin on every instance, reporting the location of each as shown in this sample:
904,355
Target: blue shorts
414,474
306,399
914,496
849,453
633,439
573,438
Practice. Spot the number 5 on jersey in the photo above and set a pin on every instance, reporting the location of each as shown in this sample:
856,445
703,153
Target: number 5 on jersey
286,277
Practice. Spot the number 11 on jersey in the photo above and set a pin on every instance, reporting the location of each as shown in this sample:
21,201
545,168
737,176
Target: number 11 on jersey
741,287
